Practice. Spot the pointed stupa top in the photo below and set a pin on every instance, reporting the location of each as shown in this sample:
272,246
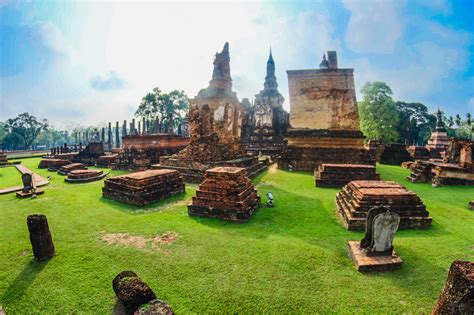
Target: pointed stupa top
324,63
270,78
220,85
439,121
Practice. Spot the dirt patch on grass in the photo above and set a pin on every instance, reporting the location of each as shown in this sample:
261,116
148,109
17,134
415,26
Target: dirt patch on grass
146,243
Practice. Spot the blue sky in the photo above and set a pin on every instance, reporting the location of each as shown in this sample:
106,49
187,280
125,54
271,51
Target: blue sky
91,62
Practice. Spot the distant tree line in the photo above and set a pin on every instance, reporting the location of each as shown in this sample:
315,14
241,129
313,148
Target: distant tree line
382,118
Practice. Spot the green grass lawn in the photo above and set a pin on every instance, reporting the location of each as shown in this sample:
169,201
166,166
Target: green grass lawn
292,258
9,177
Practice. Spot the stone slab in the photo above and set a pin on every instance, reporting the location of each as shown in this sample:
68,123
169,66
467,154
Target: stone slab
366,263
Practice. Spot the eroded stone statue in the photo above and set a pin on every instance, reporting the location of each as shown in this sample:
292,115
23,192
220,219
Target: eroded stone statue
382,223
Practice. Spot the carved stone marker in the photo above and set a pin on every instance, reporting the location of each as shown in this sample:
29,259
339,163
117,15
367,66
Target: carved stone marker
375,251
458,293
40,236
29,186
132,291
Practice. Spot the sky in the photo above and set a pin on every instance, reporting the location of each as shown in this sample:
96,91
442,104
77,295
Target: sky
91,62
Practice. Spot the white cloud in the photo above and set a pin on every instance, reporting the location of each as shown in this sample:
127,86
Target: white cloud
374,26
49,35
111,81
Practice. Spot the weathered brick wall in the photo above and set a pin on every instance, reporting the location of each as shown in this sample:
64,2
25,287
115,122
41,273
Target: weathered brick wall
323,99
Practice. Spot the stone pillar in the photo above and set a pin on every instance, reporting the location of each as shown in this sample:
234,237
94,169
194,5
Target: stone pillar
132,291
40,236
133,131
109,142
171,125
102,137
124,128
117,135
80,146
157,125
76,137
143,126
139,128
66,148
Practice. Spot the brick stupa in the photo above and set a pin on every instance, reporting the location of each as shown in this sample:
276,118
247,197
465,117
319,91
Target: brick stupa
215,121
324,119
226,193
358,197
142,188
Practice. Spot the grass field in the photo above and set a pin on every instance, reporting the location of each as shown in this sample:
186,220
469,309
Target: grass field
292,258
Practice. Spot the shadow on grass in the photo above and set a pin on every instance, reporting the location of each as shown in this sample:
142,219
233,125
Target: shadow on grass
24,279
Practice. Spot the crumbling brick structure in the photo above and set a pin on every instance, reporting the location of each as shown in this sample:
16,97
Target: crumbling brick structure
142,188
64,170
395,154
338,175
358,197
84,176
226,193
324,119
52,164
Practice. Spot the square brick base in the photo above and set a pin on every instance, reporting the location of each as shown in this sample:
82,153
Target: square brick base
372,263
22,194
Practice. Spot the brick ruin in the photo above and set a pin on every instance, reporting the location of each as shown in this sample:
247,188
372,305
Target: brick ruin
226,193
142,188
215,121
3,159
84,176
265,122
338,175
52,164
324,119
90,153
358,197
64,170
141,151
439,140
395,154
457,167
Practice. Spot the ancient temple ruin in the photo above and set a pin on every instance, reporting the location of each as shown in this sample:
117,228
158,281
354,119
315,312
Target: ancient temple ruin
439,140
215,122
324,119
266,122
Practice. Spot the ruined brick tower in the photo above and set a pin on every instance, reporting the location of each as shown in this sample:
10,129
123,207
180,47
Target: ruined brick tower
324,118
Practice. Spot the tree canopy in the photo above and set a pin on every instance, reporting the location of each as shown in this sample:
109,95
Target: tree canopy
163,106
23,130
378,113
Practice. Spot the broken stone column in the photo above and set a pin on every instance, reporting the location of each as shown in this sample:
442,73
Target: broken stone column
155,307
117,135
132,291
458,293
40,236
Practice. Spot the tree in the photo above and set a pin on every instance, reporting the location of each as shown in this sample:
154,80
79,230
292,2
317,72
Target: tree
450,122
458,120
415,123
379,117
163,106
26,127
2,133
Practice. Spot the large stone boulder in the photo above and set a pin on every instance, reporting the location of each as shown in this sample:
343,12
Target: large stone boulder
132,291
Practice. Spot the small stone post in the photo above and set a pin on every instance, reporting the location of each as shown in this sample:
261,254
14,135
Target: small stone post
133,131
102,136
109,142
40,236
143,126
124,128
117,135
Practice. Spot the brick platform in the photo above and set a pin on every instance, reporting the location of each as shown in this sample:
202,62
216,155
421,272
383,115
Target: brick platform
226,193
358,197
84,176
53,164
64,170
106,160
3,159
142,188
338,175
395,154
372,263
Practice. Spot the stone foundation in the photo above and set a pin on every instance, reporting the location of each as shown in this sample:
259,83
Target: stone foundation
107,160
226,193
358,197
84,176
338,175
419,153
266,142
3,159
440,173
142,188
309,148
53,164
366,263
395,154
64,170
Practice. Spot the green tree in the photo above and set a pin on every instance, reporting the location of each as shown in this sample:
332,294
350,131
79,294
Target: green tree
3,133
458,120
415,123
163,106
379,117
26,127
